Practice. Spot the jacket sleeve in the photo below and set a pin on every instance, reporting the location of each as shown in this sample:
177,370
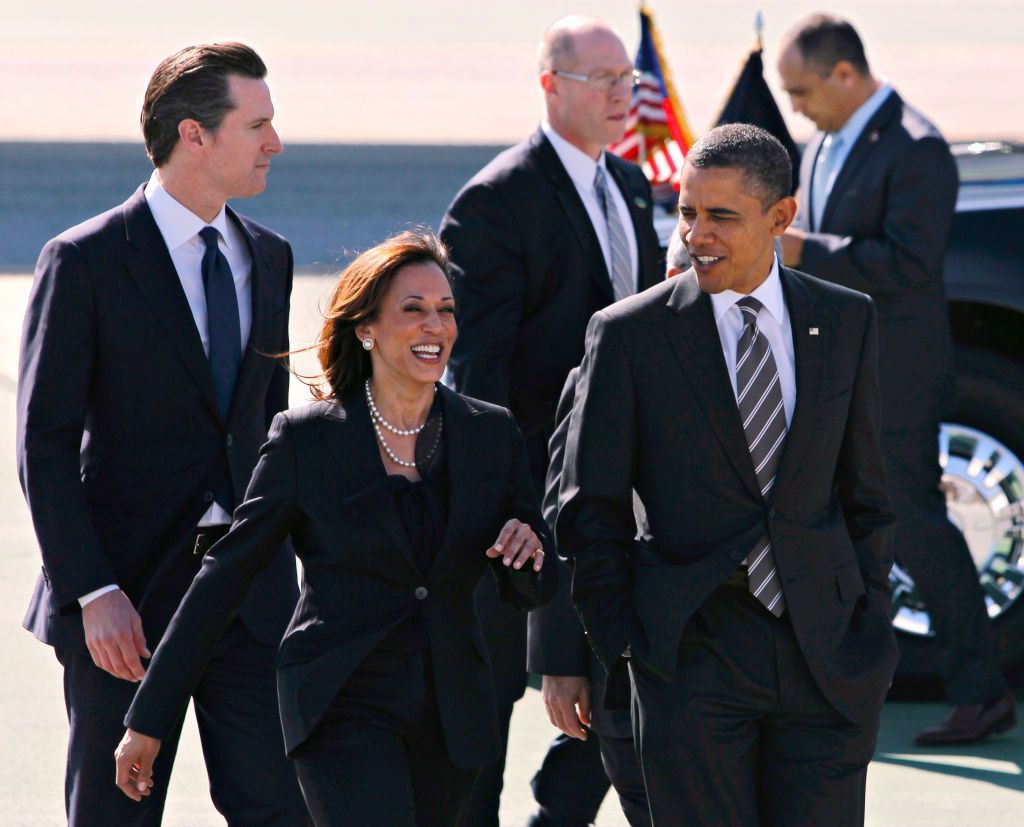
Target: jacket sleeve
920,198
860,473
525,588
556,644
596,526
261,524
55,377
490,285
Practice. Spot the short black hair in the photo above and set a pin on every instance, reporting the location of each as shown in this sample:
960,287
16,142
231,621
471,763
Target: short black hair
757,153
823,40
193,83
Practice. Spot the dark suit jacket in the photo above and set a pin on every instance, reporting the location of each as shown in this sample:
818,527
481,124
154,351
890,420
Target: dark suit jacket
556,644
529,274
884,232
320,478
655,412
119,437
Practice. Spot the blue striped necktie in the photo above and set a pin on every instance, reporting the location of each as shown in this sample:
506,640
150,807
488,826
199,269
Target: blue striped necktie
759,397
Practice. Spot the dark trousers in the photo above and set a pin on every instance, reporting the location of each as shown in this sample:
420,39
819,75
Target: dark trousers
572,782
378,755
936,556
251,780
743,737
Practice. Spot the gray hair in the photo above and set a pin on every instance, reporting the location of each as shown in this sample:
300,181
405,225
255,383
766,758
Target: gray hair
758,154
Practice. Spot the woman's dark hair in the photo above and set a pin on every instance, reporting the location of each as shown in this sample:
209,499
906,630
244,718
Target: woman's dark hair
344,364
193,83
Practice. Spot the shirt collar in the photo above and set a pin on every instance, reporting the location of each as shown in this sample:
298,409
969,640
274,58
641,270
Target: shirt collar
580,166
176,222
850,131
768,292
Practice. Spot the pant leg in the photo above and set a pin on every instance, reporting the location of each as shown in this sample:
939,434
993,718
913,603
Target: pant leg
935,554
622,767
570,784
96,704
252,782
812,763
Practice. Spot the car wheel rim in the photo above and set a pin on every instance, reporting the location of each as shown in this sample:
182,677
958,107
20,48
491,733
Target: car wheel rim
983,481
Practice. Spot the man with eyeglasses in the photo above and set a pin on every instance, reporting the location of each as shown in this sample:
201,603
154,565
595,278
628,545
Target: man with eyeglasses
551,231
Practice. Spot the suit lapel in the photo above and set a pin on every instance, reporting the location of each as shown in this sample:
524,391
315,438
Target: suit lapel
805,217
699,349
464,452
809,355
261,338
351,442
862,149
575,212
152,270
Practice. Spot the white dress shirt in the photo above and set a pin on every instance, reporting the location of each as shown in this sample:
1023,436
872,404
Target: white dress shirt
582,169
180,228
772,321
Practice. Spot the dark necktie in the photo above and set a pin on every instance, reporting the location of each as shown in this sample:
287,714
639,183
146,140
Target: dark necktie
618,247
225,330
759,397
225,336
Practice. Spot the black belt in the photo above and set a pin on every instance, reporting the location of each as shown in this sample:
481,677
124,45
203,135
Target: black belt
206,536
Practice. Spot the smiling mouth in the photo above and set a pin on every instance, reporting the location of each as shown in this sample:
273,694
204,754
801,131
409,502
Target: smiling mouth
427,353
705,261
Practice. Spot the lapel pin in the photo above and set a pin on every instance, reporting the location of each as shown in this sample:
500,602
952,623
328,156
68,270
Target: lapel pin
641,203
813,331
873,137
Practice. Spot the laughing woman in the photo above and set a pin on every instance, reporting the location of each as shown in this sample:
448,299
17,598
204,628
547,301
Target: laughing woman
398,494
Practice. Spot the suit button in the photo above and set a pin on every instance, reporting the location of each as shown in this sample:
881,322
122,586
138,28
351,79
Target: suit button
736,555
772,512
421,593
230,440
208,497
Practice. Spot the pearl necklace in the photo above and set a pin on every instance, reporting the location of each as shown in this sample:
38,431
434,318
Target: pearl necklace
377,417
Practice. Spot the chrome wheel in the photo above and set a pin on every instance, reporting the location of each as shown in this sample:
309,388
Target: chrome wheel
984,485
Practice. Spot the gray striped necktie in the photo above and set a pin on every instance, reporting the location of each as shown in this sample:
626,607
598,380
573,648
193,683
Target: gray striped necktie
623,283
759,397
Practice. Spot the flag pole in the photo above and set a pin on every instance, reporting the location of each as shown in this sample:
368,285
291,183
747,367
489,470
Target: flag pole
759,29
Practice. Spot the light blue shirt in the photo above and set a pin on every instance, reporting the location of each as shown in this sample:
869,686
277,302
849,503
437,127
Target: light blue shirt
836,147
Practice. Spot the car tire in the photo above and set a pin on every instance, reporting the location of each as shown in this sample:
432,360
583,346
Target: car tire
990,401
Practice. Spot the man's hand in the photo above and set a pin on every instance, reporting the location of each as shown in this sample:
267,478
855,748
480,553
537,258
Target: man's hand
562,695
792,247
113,633
134,757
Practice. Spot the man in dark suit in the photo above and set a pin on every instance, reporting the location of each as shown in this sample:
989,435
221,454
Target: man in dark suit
550,231
145,392
739,401
878,190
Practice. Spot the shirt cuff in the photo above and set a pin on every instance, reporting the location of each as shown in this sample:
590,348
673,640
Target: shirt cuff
85,600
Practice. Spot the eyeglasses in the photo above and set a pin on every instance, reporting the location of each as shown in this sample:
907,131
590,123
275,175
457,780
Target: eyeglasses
603,81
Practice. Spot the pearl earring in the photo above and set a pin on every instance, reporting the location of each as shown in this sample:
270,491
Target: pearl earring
367,343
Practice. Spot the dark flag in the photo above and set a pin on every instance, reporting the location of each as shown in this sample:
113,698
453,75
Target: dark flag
751,101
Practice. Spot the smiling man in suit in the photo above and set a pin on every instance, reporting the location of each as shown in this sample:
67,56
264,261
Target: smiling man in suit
550,231
145,392
878,190
740,402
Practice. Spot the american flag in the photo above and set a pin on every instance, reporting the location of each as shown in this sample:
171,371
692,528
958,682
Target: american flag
657,135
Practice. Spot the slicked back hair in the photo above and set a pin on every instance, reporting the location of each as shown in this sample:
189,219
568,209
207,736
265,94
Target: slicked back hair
758,154
193,83
823,40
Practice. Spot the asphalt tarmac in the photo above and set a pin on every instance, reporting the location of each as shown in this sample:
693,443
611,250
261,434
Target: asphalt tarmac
907,787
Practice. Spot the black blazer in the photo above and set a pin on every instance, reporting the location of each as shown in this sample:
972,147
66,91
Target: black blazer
529,274
884,232
119,436
556,644
320,478
655,412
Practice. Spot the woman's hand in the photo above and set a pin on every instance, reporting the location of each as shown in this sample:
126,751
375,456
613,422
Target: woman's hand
517,544
134,757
